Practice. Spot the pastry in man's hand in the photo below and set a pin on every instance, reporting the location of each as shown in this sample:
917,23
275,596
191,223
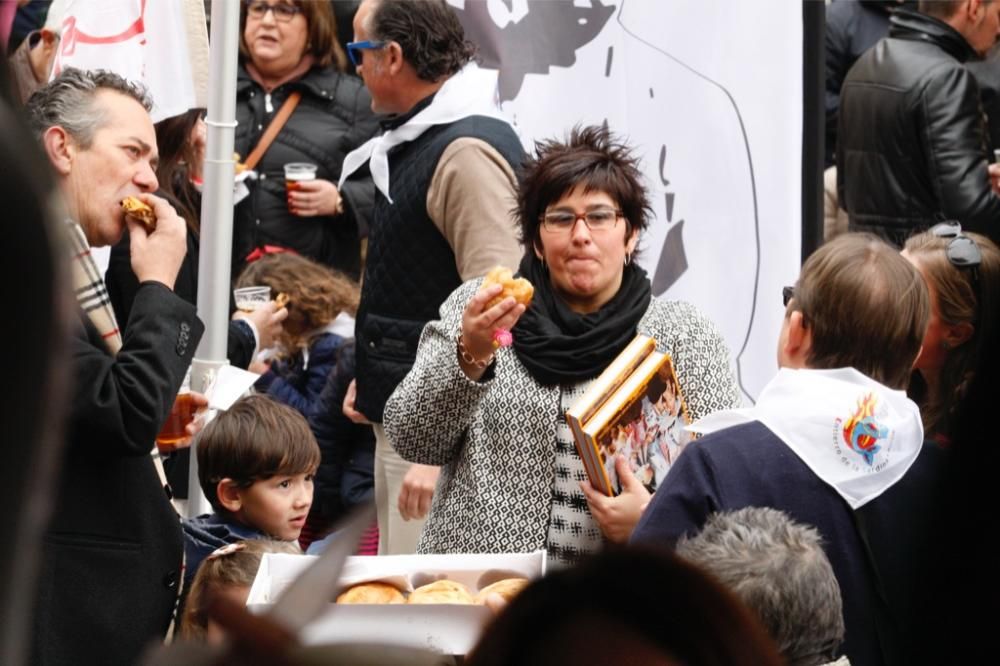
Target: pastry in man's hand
519,289
371,593
440,592
140,212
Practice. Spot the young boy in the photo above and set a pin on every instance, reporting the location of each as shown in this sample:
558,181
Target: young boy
256,463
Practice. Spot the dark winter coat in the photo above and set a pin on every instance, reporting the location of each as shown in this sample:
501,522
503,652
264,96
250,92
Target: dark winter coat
912,147
333,118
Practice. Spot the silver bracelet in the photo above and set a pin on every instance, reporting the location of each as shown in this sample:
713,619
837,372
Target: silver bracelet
469,358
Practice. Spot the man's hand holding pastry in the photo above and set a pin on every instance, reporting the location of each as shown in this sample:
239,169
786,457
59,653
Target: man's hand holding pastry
157,253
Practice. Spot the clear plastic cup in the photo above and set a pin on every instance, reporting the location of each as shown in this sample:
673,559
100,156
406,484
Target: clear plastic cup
249,299
297,172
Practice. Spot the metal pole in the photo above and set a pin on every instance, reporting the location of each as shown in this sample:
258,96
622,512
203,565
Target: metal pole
216,216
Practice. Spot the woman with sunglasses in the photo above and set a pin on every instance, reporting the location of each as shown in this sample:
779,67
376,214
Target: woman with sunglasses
511,479
962,271
291,46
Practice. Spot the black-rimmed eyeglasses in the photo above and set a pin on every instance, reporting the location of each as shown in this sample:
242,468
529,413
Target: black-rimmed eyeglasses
354,49
598,219
787,294
282,11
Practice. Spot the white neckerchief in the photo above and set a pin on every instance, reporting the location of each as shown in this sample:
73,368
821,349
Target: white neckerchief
854,433
469,92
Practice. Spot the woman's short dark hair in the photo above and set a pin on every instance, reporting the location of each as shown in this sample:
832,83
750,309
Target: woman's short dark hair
322,40
429,33
592,158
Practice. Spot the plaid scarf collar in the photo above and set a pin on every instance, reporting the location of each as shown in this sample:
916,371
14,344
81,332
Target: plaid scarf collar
88,285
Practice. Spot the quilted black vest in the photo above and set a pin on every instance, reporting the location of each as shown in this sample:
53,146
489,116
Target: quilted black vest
410,269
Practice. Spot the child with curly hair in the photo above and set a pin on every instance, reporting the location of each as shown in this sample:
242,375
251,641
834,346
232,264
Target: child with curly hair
308,346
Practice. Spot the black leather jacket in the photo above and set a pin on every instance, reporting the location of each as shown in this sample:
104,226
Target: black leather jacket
912,145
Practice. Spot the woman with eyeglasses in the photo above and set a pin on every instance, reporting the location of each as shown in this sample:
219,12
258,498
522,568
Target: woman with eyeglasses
291,46
511,479
962,271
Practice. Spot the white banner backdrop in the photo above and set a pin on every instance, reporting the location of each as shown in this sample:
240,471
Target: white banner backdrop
162,43
710,93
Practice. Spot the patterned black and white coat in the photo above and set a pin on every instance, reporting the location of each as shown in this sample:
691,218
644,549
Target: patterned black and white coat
496,439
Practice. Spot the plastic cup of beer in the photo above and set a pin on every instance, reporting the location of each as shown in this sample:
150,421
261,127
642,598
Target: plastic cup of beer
297,172
173,432
249,299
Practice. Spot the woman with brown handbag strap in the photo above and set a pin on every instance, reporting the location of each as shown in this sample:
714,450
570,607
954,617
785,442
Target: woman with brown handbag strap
294,103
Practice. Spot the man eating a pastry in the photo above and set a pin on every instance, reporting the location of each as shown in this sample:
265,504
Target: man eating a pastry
112,553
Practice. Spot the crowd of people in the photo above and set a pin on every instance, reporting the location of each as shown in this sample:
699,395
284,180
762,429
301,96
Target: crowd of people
805,529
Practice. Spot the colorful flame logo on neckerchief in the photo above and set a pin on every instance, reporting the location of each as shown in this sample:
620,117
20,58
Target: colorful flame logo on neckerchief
861,432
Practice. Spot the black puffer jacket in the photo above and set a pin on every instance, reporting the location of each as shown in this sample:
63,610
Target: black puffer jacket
333,118
912,140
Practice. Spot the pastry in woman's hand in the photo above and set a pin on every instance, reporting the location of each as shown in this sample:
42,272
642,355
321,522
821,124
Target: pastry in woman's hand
517,288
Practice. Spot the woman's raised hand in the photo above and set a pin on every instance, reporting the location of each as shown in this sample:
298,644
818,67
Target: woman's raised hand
480,323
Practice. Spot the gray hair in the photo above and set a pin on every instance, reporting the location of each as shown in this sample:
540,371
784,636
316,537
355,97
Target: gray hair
778,568
68,102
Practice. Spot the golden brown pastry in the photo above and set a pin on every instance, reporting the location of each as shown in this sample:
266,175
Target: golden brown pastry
519,289
508,588
371,593
140,212
440,592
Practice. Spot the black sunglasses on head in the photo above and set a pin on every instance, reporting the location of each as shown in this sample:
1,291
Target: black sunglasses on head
963,251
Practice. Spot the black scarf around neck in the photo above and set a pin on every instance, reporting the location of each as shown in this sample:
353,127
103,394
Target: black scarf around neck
559,346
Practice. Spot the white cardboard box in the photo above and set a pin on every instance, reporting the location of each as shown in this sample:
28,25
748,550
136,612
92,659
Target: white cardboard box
445,628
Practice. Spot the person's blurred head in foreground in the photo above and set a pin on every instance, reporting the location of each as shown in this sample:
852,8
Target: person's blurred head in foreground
629,606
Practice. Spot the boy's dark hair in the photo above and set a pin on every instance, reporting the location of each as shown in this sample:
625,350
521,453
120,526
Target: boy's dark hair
428,32
592,158
255,439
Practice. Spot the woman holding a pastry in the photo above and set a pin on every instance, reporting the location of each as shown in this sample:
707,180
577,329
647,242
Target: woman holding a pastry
492,415
290,61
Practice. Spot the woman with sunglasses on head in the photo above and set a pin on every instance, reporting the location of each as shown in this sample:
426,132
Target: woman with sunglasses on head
962,271
286,47
512,480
